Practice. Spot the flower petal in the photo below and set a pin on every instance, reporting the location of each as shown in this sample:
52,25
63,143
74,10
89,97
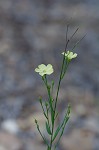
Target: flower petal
37,70
69,55
49,69
41,67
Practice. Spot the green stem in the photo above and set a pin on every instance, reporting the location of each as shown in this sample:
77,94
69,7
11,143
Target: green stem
67,41
51,107
60,78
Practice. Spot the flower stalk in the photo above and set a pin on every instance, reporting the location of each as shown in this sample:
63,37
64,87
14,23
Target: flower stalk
49,108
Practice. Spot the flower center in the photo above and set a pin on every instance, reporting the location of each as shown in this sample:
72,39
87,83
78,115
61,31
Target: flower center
44,71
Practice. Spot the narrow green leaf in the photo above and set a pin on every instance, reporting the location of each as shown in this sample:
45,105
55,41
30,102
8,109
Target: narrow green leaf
56,132
67,116
62,126
56,115
36,122
52,116
48,129
40,100
48,148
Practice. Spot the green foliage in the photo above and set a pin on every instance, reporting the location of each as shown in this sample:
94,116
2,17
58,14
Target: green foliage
49,108
48,129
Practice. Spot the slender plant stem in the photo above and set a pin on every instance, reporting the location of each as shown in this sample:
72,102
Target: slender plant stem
67,41
51,107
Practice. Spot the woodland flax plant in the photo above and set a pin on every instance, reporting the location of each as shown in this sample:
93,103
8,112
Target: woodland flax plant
49,108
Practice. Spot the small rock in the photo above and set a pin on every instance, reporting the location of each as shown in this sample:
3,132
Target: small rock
10,126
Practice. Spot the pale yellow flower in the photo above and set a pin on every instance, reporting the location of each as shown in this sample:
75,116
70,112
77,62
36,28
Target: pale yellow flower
70,55
44,70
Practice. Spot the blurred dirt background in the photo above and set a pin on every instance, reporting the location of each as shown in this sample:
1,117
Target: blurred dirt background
33,32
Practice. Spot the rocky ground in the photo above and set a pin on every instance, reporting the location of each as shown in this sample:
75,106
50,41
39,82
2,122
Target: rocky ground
33,32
